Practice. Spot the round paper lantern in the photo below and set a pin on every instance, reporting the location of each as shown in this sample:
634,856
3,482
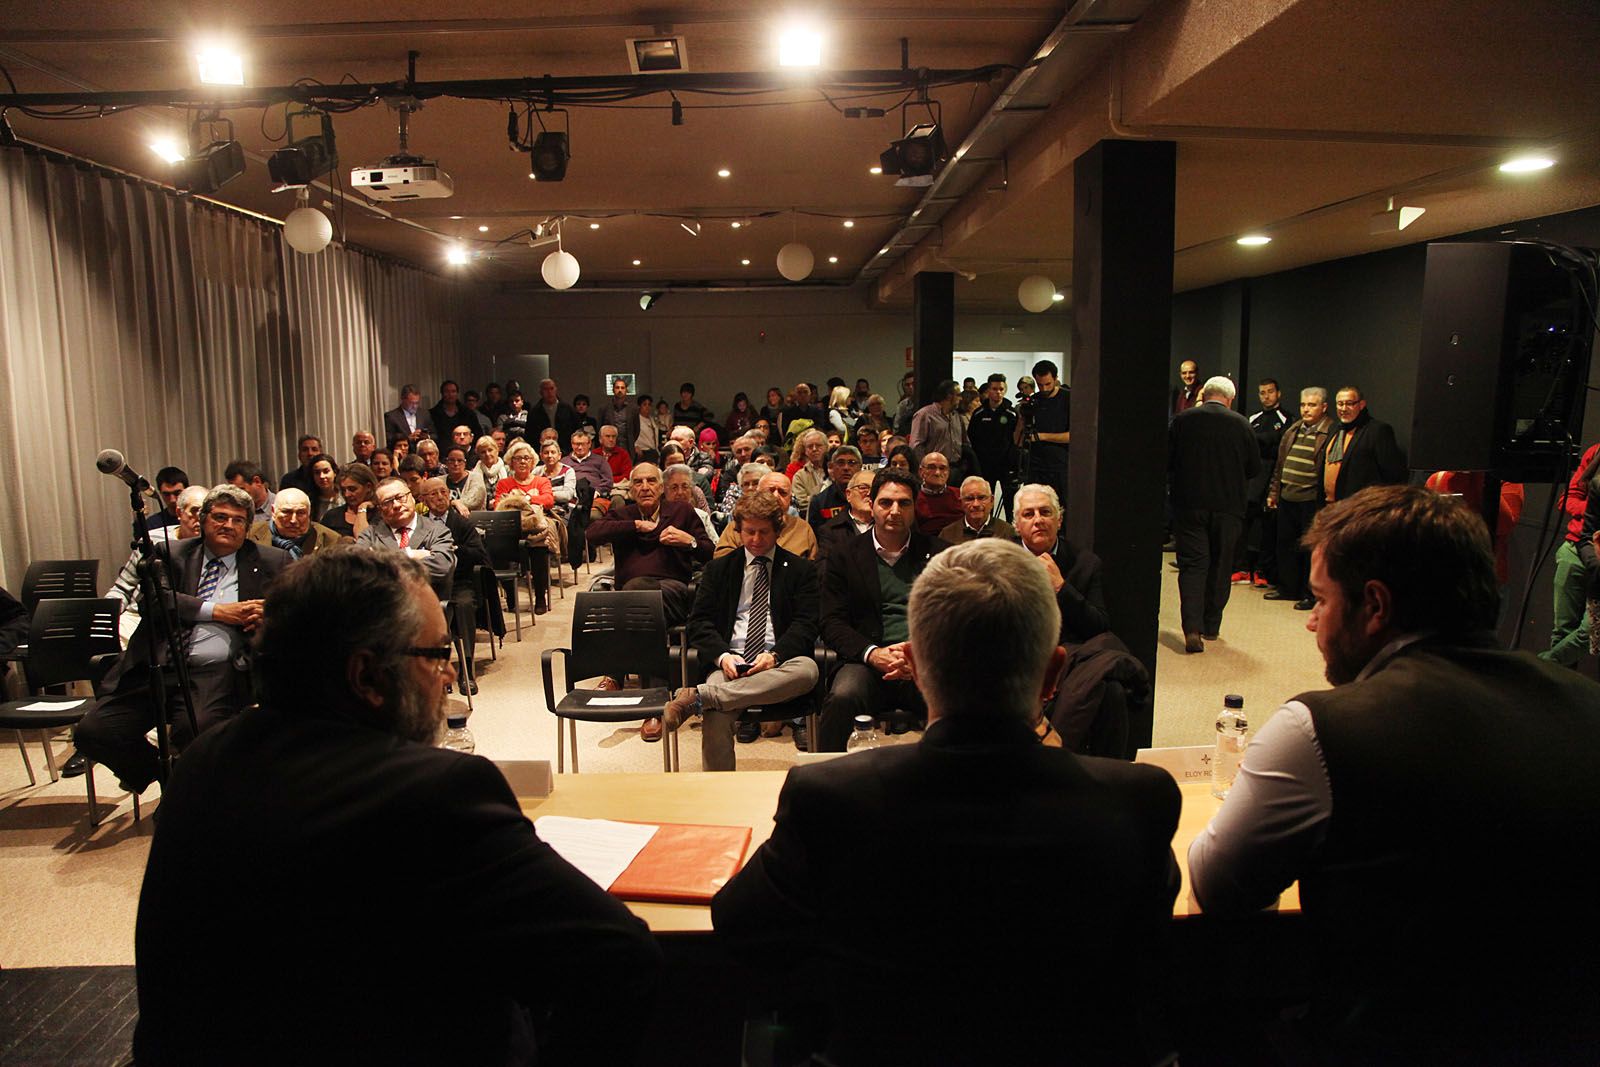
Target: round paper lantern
1036,293
307,230
795,261
560,270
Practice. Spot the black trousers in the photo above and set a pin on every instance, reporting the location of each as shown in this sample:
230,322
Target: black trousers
1258,549
113,733
1206,543
1294,562
860,690
675,599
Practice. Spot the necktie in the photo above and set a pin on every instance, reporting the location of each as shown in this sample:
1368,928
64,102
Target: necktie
209,578
755,632
405,537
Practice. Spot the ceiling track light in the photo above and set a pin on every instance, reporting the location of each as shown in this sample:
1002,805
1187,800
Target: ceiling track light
1393,219
648,300
210,168
691,227
305,158
549,151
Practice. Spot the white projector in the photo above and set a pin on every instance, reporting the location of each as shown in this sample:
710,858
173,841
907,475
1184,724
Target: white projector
418,181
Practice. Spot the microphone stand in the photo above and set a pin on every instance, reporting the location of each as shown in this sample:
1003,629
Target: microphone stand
159,605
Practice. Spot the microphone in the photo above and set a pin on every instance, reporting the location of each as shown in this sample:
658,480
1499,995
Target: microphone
110,462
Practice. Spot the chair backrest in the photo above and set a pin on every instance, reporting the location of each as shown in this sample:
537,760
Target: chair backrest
502,534
64,634
53,579
619,633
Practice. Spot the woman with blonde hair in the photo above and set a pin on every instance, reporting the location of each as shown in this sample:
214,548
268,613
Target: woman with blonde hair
839,416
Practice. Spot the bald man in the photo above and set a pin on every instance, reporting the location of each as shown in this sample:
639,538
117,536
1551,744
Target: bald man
796,535
290,527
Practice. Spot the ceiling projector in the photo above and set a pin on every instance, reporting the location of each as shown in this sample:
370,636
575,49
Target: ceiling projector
413,179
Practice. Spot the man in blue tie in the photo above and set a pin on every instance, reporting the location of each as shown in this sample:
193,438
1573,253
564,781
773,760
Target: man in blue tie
220,579
754,624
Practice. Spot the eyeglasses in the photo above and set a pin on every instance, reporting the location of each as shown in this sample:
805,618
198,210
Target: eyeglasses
394,501
440,654
230,520
970,499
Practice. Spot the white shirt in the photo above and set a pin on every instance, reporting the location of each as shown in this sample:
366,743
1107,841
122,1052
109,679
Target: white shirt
741,617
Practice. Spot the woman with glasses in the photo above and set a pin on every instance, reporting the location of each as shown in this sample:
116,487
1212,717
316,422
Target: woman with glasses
467,491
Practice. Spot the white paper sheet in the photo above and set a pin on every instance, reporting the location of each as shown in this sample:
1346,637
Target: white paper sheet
600,848
615,702
53,705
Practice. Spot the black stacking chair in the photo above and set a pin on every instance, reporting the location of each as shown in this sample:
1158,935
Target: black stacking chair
613,634
503,539
52,579
807,707
70,640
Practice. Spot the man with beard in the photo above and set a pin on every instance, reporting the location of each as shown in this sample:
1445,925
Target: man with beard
321,861
1436,806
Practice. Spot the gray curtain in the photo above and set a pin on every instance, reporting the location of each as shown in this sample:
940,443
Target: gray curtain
182,333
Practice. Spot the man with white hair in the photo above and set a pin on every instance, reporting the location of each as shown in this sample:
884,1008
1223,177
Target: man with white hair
290,527
1074,573
796,535
957,832
977,515
1211,457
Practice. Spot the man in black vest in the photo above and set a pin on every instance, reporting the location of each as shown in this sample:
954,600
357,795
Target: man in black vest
1437,806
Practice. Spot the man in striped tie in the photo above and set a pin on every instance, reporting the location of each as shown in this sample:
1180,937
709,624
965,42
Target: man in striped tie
754,624
220,579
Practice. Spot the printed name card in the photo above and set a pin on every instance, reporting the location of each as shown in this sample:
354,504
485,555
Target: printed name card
1186,763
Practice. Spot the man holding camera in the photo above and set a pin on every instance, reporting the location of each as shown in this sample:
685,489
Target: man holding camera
1045,429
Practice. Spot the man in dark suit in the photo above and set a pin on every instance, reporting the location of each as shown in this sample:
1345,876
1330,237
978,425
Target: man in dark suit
854,521
1362,450
219,579
657,542
450,412
425,540
408,420
754,625
864,594
553,411
1074,572
471,554
1211,457
320,861
954,836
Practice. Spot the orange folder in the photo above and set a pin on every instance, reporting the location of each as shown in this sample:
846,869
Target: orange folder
684,864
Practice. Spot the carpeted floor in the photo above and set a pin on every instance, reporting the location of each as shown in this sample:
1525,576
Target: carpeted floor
70,890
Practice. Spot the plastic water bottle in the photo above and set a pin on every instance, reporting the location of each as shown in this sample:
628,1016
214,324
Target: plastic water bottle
865,735
456,735
1232,729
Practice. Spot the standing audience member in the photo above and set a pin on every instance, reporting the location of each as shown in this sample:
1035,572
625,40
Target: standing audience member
1569,628
1257,557
248,476
1358,792
619,411
1211,456
646,435
906,407
333,787
1186,394
937,427
1362,451
741,417
688,411
514,423
449,413
408,420
580,411
956,831
993,433
1296,493
1047,428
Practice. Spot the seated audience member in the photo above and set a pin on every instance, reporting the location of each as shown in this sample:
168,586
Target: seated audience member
865,587
977,515
657,542
615,455
955,831
563,479
1074,573
405,529
309,447
854,521
382,464
937,504
739,453
333,784
514,422
678,485
870,445
357,487
1434,747
754,625
901,458
466,488
490,467
843,464
220,579
741,417
592,468
170,484
362,446
247,476
126,586
528,491
325,480
428,452
796,536
470,555
464,438
807,471
291,528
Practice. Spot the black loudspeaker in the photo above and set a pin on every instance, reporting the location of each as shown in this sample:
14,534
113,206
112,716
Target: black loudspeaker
1504,362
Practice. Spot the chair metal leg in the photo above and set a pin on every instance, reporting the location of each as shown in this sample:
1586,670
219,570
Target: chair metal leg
561,747
136,807
22,747
94,803
675,765
49,756
573,723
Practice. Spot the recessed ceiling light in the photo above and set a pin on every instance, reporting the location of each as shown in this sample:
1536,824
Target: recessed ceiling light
833,259
800,45
1526,164
168,149
874,170
594,225
724,173
1057,297
456,217
736,224
637,262
483,229
744,262
456,256
219,64
848,223
1252,240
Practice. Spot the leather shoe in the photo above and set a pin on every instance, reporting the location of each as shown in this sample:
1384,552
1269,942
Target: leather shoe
684,705
650,729
1276,595
1193,643
747,731
1212,636
542,608
1305,605
802,740
609,684
75,766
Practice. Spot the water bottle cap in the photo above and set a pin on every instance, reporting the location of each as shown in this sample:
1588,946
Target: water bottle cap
1233,700
864,722
456,722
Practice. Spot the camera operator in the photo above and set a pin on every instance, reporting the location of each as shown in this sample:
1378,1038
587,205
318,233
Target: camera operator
1045,429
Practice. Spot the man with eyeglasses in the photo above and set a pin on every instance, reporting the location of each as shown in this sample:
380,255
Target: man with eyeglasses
937,505
843,463
977,515
220,578
1362,450
291,528
403,529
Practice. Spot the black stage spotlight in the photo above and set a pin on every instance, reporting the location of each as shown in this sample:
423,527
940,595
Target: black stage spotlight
916,155
648,300
305,158
212,167
549,156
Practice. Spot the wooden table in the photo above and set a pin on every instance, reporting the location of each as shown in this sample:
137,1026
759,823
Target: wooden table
748,798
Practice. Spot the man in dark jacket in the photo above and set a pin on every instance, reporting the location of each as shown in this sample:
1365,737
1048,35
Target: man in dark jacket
348,863
1363,450
1211,456
754,626
1074,572
550,411
1295,492
953,833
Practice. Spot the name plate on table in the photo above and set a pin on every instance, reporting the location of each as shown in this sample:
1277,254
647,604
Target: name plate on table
528,777
1186,763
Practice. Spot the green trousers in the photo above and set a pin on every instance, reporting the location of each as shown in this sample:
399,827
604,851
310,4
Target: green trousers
1569,632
